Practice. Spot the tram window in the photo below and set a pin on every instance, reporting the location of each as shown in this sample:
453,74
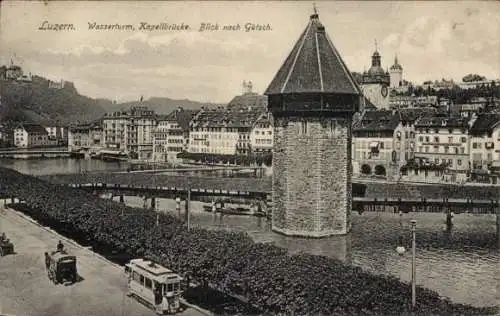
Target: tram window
149,283
135,276
176,286
157,285
170,287
142,280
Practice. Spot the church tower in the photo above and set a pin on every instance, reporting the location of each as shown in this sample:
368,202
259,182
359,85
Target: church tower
376,82
312,98
396,74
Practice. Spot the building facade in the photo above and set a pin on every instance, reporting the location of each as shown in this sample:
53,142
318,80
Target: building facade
375,83
312,97
383,142
261,137
484,141
171,136
115,130
130,131
87,137
30,135
141,123
222,132
444,141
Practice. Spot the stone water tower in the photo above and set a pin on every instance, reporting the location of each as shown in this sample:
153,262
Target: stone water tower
312,98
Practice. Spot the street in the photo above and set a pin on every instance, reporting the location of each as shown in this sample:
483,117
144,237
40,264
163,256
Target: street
25,289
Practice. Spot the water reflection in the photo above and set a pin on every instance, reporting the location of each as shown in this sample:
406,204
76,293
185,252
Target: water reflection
61,166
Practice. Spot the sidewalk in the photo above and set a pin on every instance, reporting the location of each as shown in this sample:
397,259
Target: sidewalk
26,291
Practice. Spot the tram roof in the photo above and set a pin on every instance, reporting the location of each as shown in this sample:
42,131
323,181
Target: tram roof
154,269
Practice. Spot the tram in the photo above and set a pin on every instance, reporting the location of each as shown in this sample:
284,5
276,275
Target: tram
154,285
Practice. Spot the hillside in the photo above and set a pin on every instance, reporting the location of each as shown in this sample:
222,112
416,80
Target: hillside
159,105
35,102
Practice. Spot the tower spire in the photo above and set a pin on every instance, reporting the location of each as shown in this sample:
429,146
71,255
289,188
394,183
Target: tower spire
315,9
376,46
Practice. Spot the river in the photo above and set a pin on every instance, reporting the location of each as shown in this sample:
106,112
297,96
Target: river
461,264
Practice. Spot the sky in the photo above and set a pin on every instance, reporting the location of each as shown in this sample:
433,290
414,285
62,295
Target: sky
432,40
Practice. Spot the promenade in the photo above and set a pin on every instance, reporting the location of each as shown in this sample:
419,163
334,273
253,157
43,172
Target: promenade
25,289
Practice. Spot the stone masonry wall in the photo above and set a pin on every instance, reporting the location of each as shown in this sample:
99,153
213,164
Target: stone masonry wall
312,177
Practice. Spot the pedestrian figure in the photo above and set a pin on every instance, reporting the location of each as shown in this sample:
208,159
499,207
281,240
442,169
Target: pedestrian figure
47,263
60,246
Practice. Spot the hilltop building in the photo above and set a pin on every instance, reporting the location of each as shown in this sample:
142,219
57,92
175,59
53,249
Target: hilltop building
375,83
56,85
248,100
312,98
13,72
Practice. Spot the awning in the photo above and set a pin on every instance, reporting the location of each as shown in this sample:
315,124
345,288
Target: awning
374,144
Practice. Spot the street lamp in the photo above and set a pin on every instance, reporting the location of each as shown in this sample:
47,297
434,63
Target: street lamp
413,265
400,249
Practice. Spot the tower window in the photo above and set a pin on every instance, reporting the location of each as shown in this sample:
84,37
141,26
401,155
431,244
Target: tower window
303,128
333,126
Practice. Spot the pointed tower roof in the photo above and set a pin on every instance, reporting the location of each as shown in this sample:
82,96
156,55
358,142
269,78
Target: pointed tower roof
313,66
396,65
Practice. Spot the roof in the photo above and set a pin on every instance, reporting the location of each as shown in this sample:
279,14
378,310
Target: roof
182,117
313,66
485,123
442,121
373,121
226,118
34,128
396,65
253,100
152,270
412,114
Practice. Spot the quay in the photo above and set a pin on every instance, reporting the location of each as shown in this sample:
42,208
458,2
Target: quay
26,290
32,154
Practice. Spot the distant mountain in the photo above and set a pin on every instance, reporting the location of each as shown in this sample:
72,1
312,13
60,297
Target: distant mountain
35,102
159,105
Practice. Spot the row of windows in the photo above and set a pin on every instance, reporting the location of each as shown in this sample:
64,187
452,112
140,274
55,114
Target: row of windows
264,141
437,130
263,132
437,139
489,145
446,149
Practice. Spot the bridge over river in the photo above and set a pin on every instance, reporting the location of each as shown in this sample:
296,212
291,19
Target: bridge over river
369,195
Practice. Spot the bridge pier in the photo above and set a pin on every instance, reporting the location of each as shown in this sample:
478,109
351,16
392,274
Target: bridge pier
122,199
153,203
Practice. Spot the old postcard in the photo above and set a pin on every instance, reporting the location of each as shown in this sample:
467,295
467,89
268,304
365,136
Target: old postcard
249,158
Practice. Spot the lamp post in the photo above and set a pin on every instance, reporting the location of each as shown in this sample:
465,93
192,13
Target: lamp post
400,249
413,265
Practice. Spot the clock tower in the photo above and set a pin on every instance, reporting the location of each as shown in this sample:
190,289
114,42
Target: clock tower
375,84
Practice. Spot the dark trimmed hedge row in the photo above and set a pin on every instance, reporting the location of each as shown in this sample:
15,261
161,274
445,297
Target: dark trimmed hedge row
276,282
